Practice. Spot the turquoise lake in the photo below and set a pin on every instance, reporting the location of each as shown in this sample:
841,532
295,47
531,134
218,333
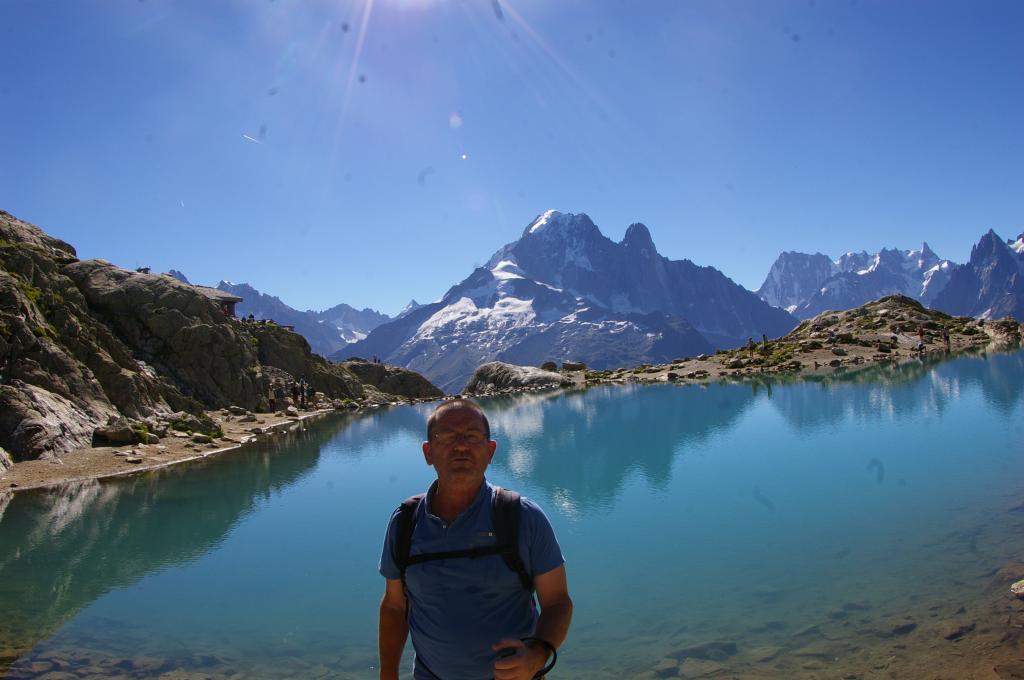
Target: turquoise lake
737,512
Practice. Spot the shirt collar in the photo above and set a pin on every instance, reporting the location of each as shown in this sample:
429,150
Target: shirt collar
483,493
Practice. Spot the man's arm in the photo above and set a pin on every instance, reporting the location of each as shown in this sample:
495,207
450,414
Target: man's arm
555,608
552,626
393,629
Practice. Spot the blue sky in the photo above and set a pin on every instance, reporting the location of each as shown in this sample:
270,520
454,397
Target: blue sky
370,152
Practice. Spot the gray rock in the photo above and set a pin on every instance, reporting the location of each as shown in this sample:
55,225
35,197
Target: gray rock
839,351
37,423
573,366
117,431
291,412
393,379
1017,589
5,461
496,375
549,366
199,438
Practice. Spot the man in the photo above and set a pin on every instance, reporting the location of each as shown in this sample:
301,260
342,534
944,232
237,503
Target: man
467,616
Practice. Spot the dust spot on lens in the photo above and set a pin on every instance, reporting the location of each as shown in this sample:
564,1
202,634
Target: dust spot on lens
421,178
611,53
272,91
344,27
362,77
263,131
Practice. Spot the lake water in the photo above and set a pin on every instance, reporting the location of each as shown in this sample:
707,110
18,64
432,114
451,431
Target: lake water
741,513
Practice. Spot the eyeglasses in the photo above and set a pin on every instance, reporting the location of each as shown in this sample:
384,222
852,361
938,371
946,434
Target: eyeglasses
471,438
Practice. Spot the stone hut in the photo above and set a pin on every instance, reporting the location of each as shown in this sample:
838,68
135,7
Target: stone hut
226,301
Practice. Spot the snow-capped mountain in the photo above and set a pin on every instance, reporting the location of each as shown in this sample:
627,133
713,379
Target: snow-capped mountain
326,332
991,284
564,291
795,277
412,306
807,285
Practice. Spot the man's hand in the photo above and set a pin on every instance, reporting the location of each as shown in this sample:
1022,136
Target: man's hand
522,662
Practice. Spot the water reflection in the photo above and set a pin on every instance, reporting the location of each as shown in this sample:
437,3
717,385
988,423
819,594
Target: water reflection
912,389
61,549
627,429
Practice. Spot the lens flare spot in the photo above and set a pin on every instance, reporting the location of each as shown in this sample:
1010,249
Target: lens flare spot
454,120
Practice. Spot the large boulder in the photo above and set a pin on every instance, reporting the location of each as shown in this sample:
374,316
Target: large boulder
393,379
496,376
35,423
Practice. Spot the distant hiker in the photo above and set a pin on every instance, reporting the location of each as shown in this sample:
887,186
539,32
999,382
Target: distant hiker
750,347
764,339
270,397
310,394
945,337
251,318
471,614
920,333
302,392
278,393
295,394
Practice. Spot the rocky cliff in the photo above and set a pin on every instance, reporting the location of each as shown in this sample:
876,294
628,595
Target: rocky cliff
85,343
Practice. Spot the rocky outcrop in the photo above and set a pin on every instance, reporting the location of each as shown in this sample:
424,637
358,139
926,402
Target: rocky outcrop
5,464
393,379
175,330
87,346
278,347
497,376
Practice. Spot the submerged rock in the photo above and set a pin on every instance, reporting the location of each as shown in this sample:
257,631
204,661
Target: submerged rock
1017,589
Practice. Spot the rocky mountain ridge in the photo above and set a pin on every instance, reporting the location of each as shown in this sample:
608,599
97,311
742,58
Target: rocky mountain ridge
807,285
991,284
327,331
564,291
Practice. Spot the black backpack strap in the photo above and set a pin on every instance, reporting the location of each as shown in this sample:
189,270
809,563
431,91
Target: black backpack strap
506,528
403,533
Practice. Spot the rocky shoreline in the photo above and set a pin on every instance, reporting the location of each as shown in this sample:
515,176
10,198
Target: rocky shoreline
834,344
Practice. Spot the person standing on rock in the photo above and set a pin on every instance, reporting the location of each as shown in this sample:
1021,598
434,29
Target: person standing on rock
945,338
463,563
270,396
295,394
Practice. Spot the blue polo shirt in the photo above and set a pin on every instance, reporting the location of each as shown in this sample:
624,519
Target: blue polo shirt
458,608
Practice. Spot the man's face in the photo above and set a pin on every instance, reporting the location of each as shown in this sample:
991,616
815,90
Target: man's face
458,448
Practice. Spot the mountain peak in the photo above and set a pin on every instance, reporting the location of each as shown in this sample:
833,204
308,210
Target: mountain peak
639,237
174,273
554,222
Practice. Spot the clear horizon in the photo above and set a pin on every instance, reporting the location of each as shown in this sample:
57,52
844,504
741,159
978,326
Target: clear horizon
373,151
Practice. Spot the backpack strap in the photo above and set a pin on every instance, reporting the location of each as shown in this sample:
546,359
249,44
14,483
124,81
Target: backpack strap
506,527
505,516
403,535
